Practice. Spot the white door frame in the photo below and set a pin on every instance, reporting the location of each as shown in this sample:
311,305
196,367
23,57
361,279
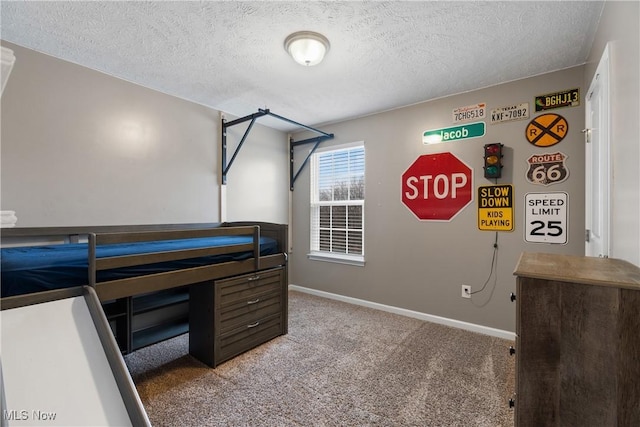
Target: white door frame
598,172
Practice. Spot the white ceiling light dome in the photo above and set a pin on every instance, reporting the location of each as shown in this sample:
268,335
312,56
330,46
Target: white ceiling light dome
306,47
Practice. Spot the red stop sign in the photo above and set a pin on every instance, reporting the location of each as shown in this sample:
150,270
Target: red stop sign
436,187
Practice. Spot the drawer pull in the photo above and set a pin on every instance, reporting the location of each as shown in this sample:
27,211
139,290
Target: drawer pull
512,351
251,279
253,301
253,325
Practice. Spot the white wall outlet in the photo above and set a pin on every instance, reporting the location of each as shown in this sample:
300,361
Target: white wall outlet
466,291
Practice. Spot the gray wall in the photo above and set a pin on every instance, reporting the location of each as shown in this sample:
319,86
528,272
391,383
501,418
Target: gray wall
258,180
80,147
619,25
421,266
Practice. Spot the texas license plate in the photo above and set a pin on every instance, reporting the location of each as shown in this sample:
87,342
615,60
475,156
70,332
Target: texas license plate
512,112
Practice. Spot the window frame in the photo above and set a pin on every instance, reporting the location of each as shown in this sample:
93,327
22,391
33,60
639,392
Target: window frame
315,204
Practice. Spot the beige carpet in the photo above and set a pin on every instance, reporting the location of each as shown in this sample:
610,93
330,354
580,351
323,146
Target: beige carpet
340,365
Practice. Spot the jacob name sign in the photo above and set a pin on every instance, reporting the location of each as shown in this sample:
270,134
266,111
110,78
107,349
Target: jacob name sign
454,133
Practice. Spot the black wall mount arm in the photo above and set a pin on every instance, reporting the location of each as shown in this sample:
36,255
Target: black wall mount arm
293,175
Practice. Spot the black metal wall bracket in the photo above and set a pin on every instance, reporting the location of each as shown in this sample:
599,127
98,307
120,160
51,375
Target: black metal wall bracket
292,144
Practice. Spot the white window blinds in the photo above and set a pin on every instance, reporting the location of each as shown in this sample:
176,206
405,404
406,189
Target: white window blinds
337,202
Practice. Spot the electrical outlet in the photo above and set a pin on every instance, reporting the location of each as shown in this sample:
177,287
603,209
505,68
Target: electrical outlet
466,291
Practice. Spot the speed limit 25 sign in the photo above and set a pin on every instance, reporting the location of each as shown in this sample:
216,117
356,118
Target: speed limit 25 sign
546,217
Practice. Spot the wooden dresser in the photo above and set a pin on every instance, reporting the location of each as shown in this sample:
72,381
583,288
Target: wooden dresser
230,316
578,341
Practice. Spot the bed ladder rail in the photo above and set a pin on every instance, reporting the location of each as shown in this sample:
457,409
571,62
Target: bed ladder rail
112,262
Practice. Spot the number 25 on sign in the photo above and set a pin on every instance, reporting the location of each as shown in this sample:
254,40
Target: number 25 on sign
546,217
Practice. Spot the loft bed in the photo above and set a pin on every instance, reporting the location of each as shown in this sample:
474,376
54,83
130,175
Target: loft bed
229,297
143,275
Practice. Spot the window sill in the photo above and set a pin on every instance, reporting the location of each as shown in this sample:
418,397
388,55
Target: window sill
336,258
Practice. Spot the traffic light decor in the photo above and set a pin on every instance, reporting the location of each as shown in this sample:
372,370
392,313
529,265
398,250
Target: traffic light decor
493,160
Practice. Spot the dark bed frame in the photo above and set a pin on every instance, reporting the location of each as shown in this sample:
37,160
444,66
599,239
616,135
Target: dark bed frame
156,282
144,310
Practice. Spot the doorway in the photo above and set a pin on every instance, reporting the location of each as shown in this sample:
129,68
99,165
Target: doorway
597,163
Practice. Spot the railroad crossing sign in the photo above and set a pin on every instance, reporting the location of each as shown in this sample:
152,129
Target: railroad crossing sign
436,187
546,130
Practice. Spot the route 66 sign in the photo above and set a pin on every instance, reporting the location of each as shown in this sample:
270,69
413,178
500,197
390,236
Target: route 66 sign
547,169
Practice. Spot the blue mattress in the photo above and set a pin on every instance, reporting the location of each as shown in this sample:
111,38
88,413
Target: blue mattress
41,268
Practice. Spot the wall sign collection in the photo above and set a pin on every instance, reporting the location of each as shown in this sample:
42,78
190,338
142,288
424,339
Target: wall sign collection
438,187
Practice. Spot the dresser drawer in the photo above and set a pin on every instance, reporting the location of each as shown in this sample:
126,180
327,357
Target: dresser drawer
245,312
245,288
231,316
246,337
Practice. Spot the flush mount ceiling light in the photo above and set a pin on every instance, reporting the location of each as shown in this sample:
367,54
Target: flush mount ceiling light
306,47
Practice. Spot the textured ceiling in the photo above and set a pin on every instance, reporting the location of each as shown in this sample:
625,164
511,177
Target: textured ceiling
229,55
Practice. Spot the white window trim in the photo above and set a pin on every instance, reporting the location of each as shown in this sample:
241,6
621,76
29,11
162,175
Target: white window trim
357,260
347,259
340,147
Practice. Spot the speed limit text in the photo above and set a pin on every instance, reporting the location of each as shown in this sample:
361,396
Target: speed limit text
545,206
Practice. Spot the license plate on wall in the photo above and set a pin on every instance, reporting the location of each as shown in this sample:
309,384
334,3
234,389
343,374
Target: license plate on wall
512,112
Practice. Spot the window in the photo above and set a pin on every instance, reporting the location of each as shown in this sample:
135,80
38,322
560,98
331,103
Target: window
337,204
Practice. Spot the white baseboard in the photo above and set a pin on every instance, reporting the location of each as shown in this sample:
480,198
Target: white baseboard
499,333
